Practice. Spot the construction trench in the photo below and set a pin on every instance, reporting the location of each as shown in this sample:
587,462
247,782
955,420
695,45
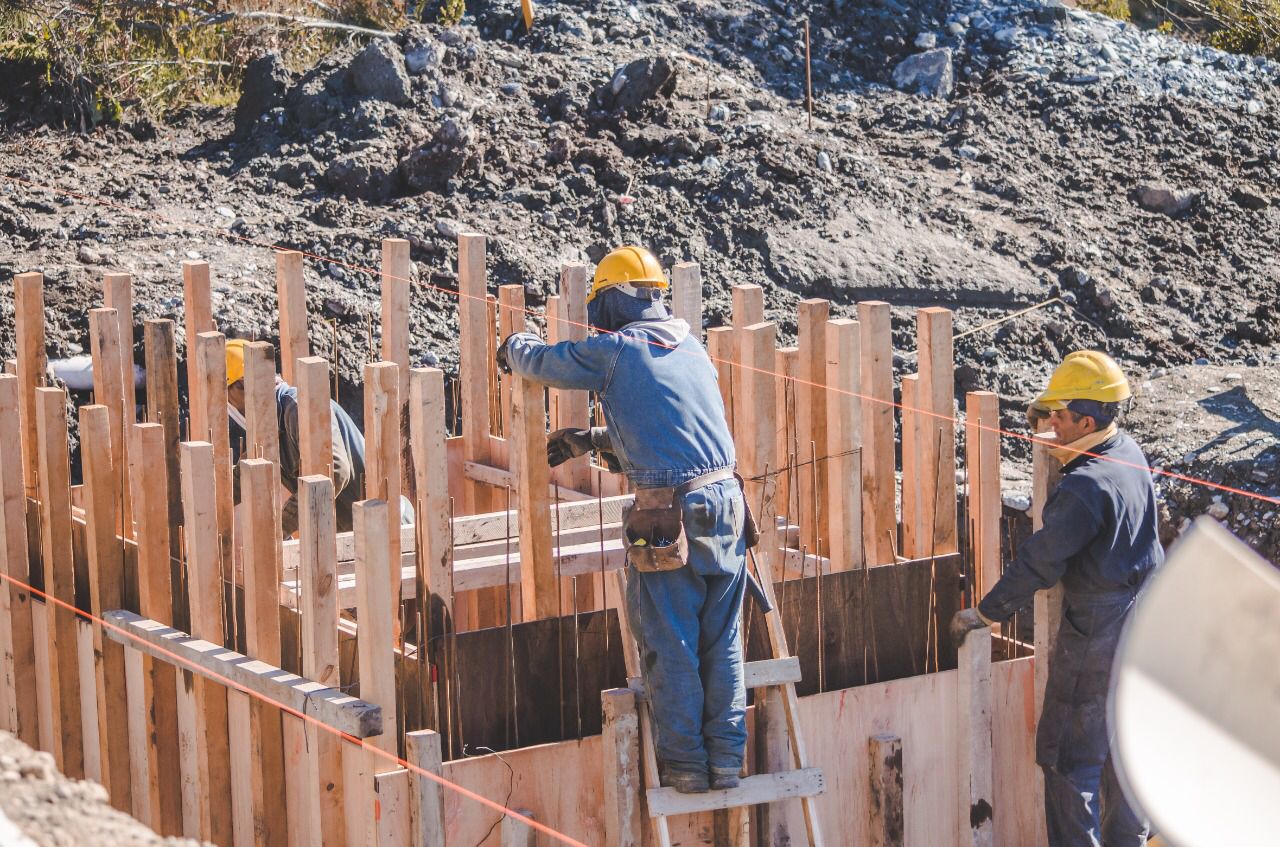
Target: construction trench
229,686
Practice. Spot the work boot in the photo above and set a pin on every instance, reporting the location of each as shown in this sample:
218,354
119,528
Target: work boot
686,782
723,778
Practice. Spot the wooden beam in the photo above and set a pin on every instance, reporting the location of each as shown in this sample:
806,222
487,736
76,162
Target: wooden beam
15,562
359,799
197,315
748,309
374,610
976,794
382,471
913,543
473,364
982,443
887,819
938,430
60,577
212,373
812,398
28,307
262,438
162,408
315,417
397,270
879,514
206,613
391,789
686,295
572,407
426,798
89,711
106,591
117,293
108,390
720,347
843,486
291,298
240,744
756,443
752,791
539,591
261,560
621,768
317,530
155,601
1046,473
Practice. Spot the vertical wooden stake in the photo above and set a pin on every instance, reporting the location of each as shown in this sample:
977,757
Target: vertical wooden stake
811,408
757,443
315,417
573,405
426,799
938,431
748,309
104,342
28,306
843,489
974,736
291,296
118,295
374,609
686,295
15,562
790,478
473,365
982,413
212,374
197,312
720,347
887,825
1046,472
622,786
913,540
357,790
396,273
59,576
879,518
382,464
263,434
162,408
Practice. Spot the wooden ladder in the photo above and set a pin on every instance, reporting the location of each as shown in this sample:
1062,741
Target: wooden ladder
782,671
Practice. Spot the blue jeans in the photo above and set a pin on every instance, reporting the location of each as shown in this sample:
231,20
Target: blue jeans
1086,809
688,626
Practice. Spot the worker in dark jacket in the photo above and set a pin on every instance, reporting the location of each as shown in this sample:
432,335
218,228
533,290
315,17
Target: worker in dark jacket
1099,539
667,430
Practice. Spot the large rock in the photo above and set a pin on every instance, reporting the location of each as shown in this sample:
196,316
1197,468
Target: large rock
637,84
368,175
1163,200
431,166
929,73
378,71
265,82
422,52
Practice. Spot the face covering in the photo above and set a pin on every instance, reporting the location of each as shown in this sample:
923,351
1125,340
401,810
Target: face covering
611,309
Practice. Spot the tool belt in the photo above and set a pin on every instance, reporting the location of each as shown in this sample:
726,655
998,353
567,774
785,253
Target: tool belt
653,525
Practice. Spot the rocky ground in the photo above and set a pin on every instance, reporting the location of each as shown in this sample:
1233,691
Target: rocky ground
987,155
39,807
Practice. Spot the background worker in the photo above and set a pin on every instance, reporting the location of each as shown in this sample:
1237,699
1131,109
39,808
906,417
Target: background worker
348,445
1099,539
665,428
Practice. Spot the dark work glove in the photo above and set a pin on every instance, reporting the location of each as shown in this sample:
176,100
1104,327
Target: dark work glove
566,444
1036,415
964,622
501,356
611,462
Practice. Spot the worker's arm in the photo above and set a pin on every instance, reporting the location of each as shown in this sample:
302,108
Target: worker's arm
343,466
1069,525
582,365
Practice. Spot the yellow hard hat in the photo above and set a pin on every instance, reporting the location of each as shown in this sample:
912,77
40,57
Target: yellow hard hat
630,266
1085,375
235,360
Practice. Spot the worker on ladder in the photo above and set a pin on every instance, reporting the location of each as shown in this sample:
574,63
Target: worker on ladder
687,548
1099,539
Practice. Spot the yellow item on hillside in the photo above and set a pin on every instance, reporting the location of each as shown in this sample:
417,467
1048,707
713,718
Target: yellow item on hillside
629,266
235,360
1085,375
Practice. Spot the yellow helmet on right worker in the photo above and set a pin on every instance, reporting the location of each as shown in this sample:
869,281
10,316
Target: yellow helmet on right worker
235,360
629,265
1085,375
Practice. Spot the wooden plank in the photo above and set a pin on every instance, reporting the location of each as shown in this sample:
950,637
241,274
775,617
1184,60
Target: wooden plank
262,435
155,601
392,791
197,316
301,792
886,803
28,307
106,592
162,408
938,431
315,417
720,347
501,480
473,362
879,515
240,747
212,369
108,390
60,578
791,474
539,591
913,545
752,791
974,740
426,796
204,574
756,442
572,408
982,442
686,295
812,398
1046,473
261,561
382,472
517,833
318,572
397,270
747,309
15,563
621,768
117,293
359,800
291,299
842,488
144,788
89,709
374,611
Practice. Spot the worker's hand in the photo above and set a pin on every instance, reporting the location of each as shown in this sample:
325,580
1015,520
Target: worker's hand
501,357
1036,416
566,444
611,462
965,621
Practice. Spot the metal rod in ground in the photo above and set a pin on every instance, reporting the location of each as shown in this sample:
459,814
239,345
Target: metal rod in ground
560,615
511,644
808,73
455,706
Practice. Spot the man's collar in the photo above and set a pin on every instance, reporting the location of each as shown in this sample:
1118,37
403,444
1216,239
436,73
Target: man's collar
1070,452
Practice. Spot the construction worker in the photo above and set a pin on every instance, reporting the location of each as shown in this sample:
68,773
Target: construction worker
348,444
666,430
1099,539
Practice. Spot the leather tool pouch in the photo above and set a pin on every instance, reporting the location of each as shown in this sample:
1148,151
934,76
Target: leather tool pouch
654,529
750,531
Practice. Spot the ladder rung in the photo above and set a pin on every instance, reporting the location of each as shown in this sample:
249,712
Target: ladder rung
753,790
756,674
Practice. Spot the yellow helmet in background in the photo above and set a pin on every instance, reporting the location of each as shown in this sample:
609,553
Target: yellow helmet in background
1085,375
235,360
629,266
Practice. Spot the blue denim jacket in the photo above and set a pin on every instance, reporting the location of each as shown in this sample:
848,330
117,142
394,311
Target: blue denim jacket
658,389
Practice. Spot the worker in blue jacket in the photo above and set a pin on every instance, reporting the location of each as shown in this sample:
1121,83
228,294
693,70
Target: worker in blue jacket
1099,539
665,429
